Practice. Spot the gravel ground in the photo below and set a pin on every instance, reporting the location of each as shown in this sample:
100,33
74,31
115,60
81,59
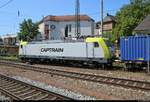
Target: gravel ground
95,90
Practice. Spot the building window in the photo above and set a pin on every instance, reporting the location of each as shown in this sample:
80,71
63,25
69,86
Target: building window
53,27
66,30
70,27
46,32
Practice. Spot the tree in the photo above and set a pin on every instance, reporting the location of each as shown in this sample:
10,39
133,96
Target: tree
130,16
28,30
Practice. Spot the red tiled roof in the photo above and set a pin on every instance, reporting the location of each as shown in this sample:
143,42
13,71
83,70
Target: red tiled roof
66,18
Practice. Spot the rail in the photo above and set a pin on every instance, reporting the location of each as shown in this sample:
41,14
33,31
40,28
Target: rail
127,83
18,90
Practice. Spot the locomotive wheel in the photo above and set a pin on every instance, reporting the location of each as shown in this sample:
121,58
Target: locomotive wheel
109,65
103,66
130,66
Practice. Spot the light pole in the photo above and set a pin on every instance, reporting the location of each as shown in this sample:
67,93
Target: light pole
148,67
102,17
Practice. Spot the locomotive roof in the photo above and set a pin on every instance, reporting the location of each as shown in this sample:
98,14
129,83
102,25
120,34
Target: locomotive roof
55,41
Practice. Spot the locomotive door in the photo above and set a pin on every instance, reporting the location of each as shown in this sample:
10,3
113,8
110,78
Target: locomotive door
96,49
89,50
23,50
98,52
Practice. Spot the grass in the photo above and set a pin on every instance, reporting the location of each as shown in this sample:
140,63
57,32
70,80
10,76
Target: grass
11,58
119,66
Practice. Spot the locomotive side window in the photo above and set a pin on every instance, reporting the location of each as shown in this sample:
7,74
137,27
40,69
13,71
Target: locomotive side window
96,45
21,46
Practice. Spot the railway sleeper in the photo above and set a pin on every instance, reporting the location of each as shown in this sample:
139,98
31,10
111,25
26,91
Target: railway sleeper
17,89
33,96
13,87
42,97
27,93
22,91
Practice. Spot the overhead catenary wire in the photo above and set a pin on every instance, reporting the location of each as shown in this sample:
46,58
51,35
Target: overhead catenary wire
8,2
20,15
104,12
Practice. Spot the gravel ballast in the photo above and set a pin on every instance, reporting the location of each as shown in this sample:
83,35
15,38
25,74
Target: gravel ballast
141,76
3,98
85,88
60,91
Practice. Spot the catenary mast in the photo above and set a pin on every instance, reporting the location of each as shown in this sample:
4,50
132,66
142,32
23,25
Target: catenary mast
102,17
77,19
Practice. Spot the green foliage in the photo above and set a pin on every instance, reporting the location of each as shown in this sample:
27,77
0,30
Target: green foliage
10,58
130,16
3,51
108,35
28,30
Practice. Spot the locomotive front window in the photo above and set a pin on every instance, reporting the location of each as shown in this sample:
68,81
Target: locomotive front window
108,43
96,45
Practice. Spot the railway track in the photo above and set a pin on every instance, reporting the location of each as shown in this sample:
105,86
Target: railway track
127,83
17,90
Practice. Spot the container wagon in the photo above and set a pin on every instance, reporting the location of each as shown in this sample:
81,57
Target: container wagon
135,51
95,50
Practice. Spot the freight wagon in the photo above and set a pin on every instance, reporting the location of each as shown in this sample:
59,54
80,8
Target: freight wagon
135,51
95,50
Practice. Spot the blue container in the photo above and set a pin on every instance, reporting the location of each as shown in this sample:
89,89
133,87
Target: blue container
135,48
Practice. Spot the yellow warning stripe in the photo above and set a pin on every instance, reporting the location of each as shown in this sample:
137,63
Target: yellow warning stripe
102,43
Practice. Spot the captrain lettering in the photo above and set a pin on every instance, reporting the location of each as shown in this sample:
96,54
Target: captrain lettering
52,50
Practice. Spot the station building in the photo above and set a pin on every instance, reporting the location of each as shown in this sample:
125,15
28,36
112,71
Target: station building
63,27
9,39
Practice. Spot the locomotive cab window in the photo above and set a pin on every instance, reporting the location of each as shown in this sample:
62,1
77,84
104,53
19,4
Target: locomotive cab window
21,46
96,45
108,43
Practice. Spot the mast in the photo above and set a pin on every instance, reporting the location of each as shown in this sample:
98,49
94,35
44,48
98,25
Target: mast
102,17
77,19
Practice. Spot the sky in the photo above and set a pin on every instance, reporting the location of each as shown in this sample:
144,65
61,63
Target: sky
37,9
